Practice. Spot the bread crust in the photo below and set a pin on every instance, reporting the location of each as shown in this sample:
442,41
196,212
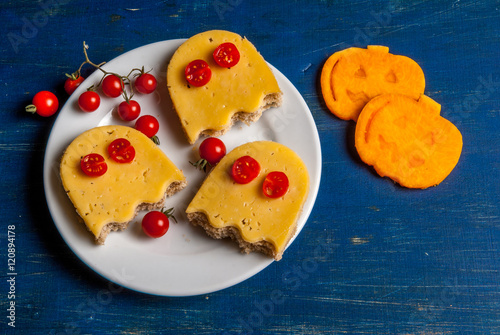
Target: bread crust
173,188
270,100
265,247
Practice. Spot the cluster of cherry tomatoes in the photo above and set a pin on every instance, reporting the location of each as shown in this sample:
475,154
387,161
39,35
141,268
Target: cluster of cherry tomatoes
113,86
46,104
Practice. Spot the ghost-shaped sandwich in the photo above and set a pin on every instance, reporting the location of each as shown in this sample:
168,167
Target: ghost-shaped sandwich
111,172
216,78
254,195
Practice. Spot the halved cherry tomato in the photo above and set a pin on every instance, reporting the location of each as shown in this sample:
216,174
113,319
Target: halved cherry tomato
275,185
198,73
93,165
245,169
121,151
226,55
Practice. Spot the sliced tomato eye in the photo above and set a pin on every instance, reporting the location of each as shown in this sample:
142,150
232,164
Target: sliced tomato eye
275,184
198,73
226,55
245,169
121,151
93,165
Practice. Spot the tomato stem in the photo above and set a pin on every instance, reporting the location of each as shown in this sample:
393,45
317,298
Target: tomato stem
125,80
155,140
170,213
201,164
31,109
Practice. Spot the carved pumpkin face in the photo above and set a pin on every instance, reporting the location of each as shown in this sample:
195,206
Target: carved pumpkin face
407,140
352,77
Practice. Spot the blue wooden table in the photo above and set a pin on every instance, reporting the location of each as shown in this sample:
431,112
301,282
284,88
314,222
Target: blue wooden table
398,261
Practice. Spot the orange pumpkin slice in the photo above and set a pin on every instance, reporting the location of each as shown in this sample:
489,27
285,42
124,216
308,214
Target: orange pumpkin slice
352,77
407,140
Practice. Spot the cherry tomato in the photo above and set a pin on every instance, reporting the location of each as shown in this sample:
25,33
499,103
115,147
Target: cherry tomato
72,83
155,224
245,169
121,151
112,86
145,83
198,73
275,184
148,125
226,55
129,110
93,165
89,101
212,150
44,103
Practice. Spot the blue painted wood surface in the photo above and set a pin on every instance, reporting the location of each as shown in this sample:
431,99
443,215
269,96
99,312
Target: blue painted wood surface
398,261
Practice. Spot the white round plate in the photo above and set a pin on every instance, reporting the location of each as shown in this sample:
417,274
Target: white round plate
185,261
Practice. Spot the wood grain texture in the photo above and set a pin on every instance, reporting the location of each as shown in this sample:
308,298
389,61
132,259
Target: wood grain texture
392,260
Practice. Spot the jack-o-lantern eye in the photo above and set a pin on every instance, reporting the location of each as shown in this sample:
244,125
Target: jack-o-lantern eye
360,73
391,77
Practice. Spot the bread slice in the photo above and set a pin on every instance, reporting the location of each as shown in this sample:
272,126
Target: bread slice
264,247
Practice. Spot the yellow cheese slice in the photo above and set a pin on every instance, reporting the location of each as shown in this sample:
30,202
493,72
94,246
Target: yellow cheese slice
114,197
248,87
244,206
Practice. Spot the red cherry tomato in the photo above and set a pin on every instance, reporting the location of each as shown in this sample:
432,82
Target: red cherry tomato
129,110
121,151
44,103
148,125
112,86
72,83
275,184
245,169
145,83
155,224
89,101
212,150
198,73
93,165
226,55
